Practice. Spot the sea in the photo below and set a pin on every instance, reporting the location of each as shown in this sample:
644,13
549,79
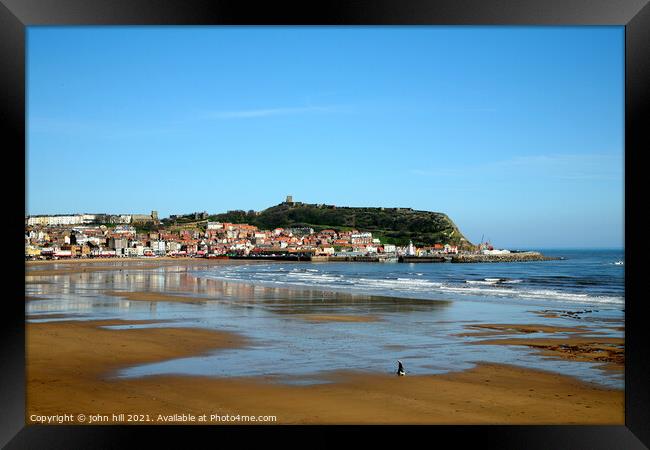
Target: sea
580,277
423,314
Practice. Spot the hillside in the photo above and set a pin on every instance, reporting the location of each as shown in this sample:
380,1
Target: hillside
391,225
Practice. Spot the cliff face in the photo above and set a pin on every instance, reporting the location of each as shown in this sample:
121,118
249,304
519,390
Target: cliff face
391,225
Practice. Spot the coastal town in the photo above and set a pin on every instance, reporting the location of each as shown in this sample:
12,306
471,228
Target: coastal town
120,236
85,236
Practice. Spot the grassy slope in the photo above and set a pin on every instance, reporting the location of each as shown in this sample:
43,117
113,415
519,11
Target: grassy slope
391,225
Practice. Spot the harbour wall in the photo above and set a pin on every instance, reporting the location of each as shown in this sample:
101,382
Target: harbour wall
507,257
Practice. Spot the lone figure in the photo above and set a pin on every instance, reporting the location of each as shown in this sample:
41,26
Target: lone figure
400,369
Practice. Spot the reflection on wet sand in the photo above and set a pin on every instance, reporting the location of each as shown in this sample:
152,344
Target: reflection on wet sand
308,330
169,282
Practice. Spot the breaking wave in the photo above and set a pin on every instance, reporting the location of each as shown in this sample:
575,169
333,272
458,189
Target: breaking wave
377,280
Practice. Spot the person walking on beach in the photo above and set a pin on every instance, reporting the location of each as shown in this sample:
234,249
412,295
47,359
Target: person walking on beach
400,369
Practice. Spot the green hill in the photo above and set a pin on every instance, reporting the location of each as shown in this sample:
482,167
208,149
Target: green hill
391,225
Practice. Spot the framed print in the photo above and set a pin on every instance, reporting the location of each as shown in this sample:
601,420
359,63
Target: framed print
408,215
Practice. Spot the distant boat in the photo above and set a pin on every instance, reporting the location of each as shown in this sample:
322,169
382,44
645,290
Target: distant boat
619,263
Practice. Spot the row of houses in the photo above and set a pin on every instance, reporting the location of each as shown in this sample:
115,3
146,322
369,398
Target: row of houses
214,239
88,219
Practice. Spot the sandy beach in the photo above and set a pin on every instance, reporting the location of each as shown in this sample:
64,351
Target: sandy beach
73,367
74,377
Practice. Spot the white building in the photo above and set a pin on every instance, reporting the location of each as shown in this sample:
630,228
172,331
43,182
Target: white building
495,252
158,247
451,248
76,219
389,248
130,251
172,246
117,243
102,252
410,250
361,238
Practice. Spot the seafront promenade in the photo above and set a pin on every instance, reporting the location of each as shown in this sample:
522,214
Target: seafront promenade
380,258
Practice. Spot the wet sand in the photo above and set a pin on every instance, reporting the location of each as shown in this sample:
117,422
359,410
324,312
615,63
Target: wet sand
70,366
575,348
48,316
337,318
556,314
578,345
162,297
494,329
157,297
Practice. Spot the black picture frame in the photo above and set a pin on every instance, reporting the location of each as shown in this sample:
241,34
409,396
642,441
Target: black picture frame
16,15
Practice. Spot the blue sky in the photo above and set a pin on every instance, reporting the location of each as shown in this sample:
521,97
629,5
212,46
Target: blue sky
516,132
